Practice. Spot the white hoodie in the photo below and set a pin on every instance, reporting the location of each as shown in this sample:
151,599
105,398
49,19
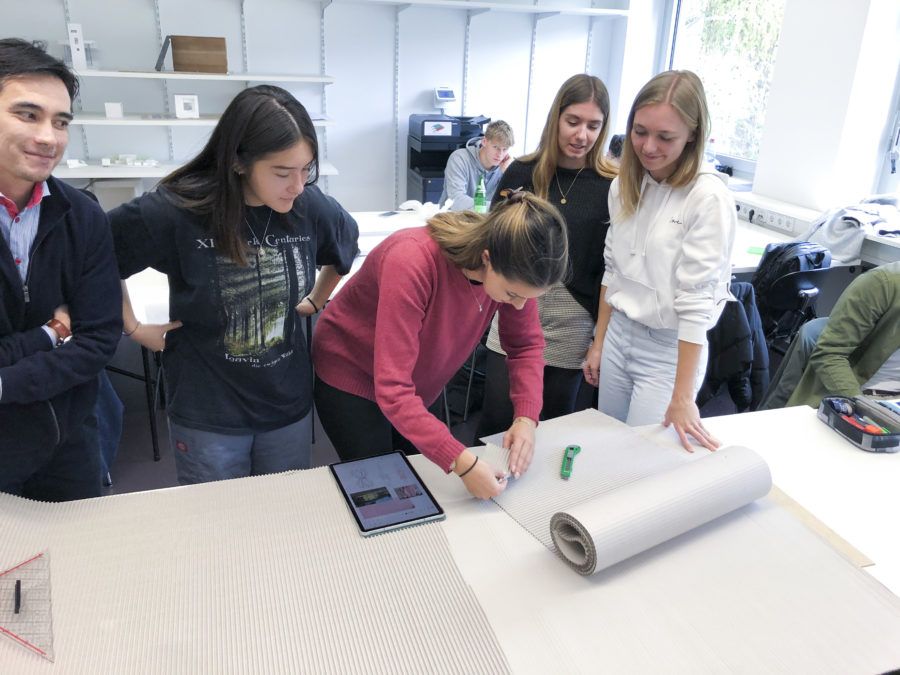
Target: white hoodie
669,264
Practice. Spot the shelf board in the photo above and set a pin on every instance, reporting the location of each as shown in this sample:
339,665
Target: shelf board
95,171
236,77
500,7
153,120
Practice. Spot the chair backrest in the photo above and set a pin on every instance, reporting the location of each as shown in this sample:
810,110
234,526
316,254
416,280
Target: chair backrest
790,302
783,258
785,293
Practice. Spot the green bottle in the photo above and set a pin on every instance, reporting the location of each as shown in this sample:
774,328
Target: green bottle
480,204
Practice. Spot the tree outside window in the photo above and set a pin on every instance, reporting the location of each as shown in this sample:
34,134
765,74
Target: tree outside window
731,45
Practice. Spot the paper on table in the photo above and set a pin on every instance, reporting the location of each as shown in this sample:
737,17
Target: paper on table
601,532
652,493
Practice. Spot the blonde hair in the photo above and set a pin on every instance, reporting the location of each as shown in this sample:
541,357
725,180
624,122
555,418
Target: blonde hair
525,237
683,90
579,88
501,133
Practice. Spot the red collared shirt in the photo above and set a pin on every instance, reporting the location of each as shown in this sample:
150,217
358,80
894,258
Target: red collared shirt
20,227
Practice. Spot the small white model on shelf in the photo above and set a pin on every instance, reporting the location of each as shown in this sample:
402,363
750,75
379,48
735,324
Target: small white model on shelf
114,110
187,106
128,160
75,163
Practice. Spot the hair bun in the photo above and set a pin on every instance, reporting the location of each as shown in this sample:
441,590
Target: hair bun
513,196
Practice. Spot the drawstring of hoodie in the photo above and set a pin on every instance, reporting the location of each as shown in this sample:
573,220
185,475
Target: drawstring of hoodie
660,209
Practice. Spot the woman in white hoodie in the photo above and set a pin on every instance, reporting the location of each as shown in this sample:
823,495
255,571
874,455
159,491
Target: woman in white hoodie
668,263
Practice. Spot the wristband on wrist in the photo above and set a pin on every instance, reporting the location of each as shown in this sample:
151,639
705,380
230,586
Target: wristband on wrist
62,331
470,468
312,303
527,420
129,333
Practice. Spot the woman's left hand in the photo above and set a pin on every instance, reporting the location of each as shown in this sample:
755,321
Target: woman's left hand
685,417
520,441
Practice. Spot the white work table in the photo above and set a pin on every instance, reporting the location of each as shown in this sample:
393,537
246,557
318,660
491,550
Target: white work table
749,240
853,492
228,576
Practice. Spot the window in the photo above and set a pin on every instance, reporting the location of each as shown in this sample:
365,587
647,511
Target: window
731,45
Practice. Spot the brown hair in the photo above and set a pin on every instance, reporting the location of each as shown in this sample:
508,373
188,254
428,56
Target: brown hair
524,235
579,88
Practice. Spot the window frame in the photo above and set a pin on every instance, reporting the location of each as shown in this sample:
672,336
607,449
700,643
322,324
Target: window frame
743,168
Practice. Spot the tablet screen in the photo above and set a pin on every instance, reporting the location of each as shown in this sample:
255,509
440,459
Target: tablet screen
384,493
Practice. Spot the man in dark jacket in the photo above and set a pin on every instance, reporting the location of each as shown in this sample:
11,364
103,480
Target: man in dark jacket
60,300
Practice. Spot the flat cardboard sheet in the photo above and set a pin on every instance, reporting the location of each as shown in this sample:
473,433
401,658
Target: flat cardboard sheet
753,591
257,575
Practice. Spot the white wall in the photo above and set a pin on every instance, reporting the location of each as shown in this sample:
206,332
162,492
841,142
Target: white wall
284,36
361,143
830,103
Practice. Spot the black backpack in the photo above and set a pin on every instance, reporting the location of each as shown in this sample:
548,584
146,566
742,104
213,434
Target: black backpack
778,260
783,258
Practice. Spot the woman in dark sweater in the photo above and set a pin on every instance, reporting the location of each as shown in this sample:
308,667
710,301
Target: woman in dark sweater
239,231
569,170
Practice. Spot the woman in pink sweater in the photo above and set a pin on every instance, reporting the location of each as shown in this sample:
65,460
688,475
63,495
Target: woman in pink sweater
405,323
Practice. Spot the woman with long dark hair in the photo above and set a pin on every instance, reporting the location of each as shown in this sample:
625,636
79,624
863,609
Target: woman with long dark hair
239,230
402,326
568,169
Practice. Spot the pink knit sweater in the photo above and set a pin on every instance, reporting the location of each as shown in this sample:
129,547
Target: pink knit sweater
405,323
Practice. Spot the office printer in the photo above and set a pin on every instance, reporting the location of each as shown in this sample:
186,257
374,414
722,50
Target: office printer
431,140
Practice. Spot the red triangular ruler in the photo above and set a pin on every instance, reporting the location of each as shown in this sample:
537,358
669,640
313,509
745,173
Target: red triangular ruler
25,612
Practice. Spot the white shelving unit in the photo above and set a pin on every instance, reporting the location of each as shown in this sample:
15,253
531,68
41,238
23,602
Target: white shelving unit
155,120
94,171
497,7
229,77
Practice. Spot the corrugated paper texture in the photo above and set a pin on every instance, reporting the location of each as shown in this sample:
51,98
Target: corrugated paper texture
258,575
612,527
754,591
612,455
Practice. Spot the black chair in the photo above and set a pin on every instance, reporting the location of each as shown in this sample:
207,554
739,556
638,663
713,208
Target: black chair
789,303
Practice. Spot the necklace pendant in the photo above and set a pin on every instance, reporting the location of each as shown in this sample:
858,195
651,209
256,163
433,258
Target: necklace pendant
260,252
562,201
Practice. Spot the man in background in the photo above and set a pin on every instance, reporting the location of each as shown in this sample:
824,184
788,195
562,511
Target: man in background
60,299
466,166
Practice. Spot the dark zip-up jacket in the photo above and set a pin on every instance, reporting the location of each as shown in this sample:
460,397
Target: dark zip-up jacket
738,355
47,393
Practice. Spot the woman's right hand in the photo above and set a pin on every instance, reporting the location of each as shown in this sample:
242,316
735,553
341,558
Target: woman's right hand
153,335
482,481
591,365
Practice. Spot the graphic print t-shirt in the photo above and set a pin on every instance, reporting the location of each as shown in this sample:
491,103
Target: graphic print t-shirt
240,363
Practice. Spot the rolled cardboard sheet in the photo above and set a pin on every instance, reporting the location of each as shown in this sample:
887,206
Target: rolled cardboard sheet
598,533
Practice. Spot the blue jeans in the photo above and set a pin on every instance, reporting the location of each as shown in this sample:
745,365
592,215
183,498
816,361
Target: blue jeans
203,456
637,371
